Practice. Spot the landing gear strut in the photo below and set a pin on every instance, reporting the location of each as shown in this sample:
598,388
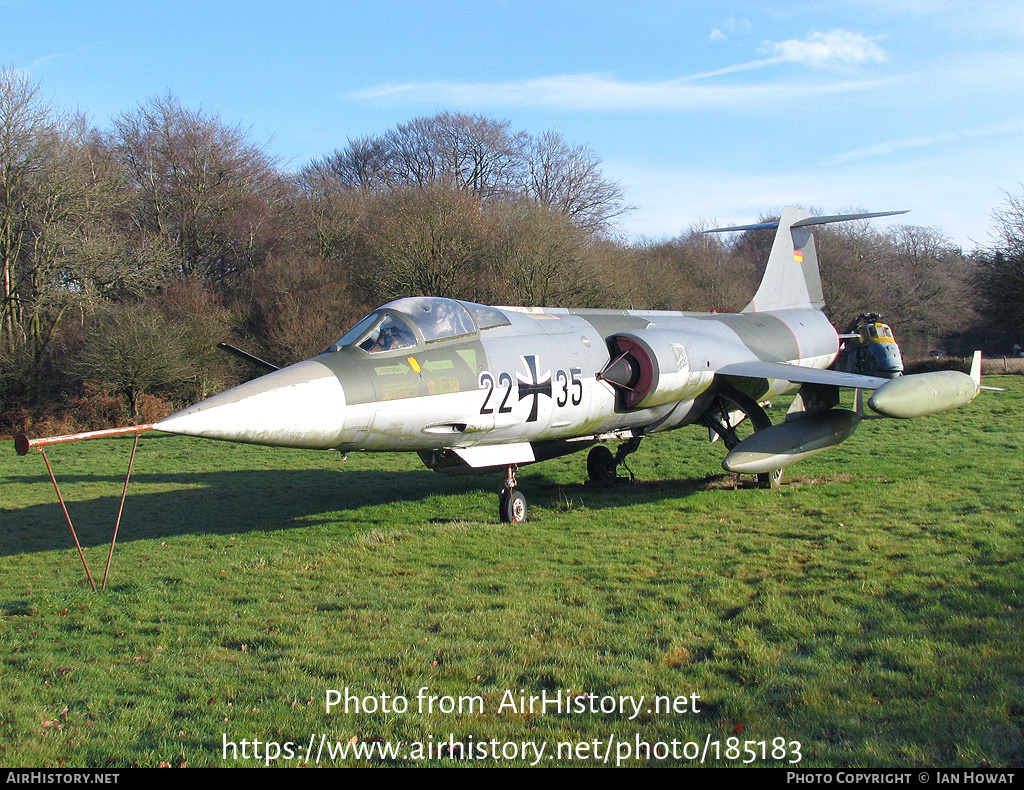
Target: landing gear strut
511,501
722,419
602,465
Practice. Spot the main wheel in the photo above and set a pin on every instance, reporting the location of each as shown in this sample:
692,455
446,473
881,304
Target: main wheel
756,420
601,464
512,506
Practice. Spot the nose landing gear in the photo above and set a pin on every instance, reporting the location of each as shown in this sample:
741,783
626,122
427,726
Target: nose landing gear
511,501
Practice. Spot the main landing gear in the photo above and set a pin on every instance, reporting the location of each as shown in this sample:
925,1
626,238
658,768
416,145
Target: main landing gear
729,412
602,466
511,501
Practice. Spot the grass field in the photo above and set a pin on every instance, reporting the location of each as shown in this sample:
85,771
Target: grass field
871,611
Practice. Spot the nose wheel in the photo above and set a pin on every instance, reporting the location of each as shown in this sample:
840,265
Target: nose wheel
511,501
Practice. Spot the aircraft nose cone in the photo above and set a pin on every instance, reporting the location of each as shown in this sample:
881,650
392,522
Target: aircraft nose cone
302,405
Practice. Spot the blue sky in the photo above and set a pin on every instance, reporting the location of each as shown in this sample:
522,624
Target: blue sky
710,111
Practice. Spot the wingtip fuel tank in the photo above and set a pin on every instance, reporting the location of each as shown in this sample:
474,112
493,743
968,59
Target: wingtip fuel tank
922,394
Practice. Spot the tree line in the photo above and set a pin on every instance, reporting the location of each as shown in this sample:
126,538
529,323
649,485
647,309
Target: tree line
128,252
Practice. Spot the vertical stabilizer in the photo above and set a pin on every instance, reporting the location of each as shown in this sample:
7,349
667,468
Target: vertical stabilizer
791,278
976,368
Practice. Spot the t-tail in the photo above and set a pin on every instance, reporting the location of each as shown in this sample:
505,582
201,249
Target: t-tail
791,278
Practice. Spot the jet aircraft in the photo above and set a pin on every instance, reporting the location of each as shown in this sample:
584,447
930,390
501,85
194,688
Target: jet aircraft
475,388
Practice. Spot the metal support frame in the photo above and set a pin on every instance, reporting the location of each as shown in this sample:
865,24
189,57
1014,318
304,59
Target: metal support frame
23,444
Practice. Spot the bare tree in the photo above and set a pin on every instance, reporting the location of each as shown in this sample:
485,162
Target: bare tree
200,184
57,192
429,242
130,349
914,276
362,165
455,150
569,179
484,157
694,271
476,153
22,121
300,304
999,279
164,343
30,149
327,210
538,257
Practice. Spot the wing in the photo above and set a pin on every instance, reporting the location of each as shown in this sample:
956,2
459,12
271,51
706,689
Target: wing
904,397
802,375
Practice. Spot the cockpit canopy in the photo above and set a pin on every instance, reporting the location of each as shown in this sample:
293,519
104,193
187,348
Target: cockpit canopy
878,333
406,323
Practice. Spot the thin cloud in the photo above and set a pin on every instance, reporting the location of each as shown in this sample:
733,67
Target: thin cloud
732,25
927,141
602,92
606,92
840,48
56,56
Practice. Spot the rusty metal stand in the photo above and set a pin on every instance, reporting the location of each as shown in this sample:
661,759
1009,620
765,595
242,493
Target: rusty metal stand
23,444
68,517
120,510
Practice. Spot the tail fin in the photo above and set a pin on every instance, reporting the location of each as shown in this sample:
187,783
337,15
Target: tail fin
791,277
976,368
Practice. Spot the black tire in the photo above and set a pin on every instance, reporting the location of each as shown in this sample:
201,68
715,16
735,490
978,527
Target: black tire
601,465
512,506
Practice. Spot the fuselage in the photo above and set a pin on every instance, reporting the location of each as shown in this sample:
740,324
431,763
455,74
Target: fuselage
429,374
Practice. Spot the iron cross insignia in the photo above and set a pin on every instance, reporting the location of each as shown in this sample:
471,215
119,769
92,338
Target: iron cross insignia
533,386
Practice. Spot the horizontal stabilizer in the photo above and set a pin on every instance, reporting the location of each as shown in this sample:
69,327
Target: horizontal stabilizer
791,278
808,221
846,217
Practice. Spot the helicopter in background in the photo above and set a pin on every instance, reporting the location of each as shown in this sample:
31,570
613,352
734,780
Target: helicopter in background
869,349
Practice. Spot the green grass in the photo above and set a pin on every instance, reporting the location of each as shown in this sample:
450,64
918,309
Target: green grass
871,609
